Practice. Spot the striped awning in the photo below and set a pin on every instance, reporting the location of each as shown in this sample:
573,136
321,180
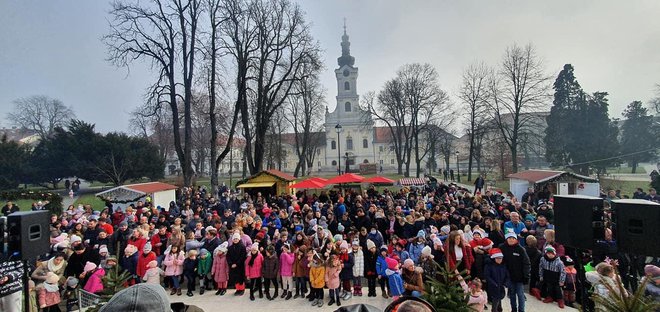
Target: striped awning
256,184
412,181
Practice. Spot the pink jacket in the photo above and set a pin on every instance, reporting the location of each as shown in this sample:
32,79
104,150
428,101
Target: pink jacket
95,282
47,298
332,277
286,263
254,271
174,264
220,269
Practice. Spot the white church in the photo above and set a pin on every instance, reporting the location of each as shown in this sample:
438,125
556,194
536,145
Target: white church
351,136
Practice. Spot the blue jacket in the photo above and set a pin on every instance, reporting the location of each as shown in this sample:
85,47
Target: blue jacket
376,238
130,263
415,251
497,276
517,228
395,281
340,210
381,266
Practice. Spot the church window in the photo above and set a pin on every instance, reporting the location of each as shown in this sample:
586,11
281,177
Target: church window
392,161
366,161
347,106
365,143
334,162
380,161
347,85
333,145
349,143
380,148
346,73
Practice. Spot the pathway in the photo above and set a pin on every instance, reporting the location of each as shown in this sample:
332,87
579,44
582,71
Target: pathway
209,302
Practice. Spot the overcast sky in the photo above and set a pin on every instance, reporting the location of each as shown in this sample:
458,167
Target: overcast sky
54,48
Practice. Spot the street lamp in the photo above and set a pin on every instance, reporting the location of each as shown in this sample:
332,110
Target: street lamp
338,130
458,168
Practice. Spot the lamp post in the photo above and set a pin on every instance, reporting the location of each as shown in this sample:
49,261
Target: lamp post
458,169
338,130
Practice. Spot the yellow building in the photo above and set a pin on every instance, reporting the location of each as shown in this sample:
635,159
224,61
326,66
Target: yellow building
268,182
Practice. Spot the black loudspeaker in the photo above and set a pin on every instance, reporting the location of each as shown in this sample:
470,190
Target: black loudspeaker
28,234
579,220
637,226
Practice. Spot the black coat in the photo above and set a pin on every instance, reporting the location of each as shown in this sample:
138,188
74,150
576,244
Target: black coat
236,254
517,262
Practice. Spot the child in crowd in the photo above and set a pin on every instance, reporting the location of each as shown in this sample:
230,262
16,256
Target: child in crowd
552,276
394,278
300,271
253,266
286,271
190,271
69,293
203,269
270,270
94,276
346,275
358,267
477,300
370,272
129,262
49,293
152,276
570,284
220,269
317,279
497,277
332,271
381,267
535,259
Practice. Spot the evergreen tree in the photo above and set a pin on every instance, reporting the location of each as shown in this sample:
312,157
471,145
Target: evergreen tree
595,137
638,135
13,163
568,98
579,132
444,291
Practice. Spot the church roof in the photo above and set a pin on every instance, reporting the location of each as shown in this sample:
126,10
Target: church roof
382,135
345,58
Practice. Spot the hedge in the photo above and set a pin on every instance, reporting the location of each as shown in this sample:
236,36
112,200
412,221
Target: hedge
54,200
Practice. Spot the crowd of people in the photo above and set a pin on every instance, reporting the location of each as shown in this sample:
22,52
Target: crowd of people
325,247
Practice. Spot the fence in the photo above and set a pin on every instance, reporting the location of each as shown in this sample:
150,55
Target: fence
87,299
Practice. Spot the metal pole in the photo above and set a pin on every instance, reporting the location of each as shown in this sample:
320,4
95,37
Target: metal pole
458,169
338,153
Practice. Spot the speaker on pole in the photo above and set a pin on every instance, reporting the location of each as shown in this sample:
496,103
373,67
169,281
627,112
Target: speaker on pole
637,226
28,234
579,220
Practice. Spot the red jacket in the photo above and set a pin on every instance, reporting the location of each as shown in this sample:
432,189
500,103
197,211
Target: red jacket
143,261
468,258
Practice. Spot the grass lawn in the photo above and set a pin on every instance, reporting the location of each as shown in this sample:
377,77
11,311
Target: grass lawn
23,204
97,203
640,170
626,187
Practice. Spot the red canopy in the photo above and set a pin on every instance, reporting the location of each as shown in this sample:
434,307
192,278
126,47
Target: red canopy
308,184
345,178
317,179
378,180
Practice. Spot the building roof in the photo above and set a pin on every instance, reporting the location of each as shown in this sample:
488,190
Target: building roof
151,187
280,174
539,176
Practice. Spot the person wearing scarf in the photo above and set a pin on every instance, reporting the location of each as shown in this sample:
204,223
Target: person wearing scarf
55,264
49,293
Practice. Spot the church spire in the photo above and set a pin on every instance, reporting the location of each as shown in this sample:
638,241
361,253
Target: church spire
345,58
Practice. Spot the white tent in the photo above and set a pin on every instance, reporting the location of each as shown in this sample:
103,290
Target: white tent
161,194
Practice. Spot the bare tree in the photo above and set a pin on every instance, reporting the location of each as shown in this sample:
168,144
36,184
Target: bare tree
303,113
474,93
425,101
389,108
284,45
41,114
655,102
162,33
445,146
519,87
